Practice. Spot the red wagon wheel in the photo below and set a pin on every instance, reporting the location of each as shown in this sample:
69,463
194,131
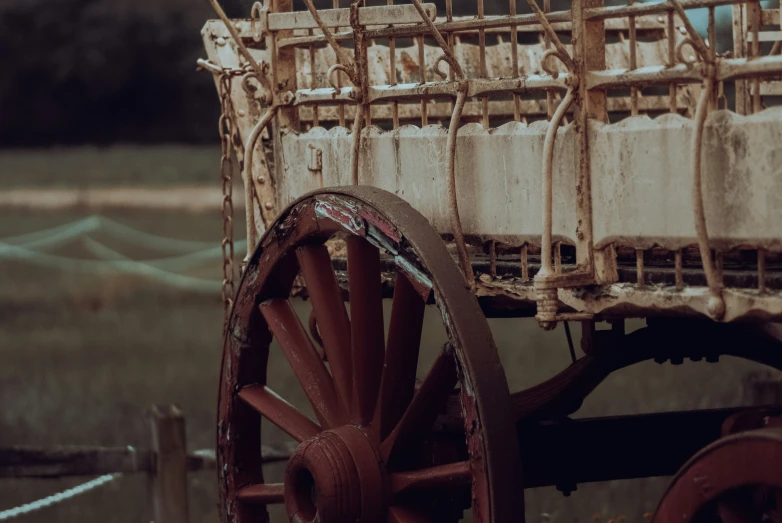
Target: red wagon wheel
364,458
737,479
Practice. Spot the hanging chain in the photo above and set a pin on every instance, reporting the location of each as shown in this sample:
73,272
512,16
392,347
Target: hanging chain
226,126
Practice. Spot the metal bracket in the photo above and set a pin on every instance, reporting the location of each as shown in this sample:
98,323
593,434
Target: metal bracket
259,20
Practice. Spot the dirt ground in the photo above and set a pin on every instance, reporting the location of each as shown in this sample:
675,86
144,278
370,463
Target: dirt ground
83,356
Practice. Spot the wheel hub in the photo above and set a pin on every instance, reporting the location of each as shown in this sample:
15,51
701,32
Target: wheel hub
335,477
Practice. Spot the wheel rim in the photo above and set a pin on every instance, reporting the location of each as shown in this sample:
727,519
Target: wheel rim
735,479
353,461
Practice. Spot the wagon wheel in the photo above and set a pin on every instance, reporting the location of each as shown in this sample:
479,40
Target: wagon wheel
735,479
361,460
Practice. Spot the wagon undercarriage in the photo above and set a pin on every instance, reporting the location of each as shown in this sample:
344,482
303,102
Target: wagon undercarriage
589,165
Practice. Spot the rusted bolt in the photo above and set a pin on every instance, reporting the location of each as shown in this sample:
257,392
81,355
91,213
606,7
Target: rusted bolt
261,179
221,41
268,206
287,98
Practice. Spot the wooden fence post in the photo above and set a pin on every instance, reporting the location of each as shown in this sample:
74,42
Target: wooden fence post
169,480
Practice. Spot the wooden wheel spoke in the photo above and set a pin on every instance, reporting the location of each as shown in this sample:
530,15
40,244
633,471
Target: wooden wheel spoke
406,515
427,404
442,476
279,412
330,314
397,385
262,494
304,360
366,321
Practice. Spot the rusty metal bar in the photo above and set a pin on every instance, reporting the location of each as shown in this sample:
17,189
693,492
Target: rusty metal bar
633,63
754,10
482,64
505,108
679,270
547,46
524,263
639,267
493,259
411,92
456,26
603,13
740,51
340,17
761,270
712,35
313,83
548,184
422,73
341,108
671,30
514,54
392,76
729,69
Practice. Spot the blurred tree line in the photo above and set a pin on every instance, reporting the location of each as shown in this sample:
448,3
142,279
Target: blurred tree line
107,71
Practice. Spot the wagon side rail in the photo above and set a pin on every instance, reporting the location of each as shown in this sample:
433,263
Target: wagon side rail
351,90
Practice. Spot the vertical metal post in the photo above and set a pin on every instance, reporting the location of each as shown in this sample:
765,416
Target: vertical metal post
740,51
169,481
672,91
392,75
482,65
588,55
633,63
340,107
514,53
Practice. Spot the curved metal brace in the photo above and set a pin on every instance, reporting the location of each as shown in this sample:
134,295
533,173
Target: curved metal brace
436,66
330,75
549,30
342,58
547,300
453,204
543,62
696,39
449,56
256,12
716,305
680,52
249,155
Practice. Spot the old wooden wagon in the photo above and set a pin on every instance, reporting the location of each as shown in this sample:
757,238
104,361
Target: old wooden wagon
585,165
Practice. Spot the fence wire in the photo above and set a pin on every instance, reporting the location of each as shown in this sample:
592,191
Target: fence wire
57,498
187,254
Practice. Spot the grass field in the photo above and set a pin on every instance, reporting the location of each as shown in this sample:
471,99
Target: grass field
84,355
